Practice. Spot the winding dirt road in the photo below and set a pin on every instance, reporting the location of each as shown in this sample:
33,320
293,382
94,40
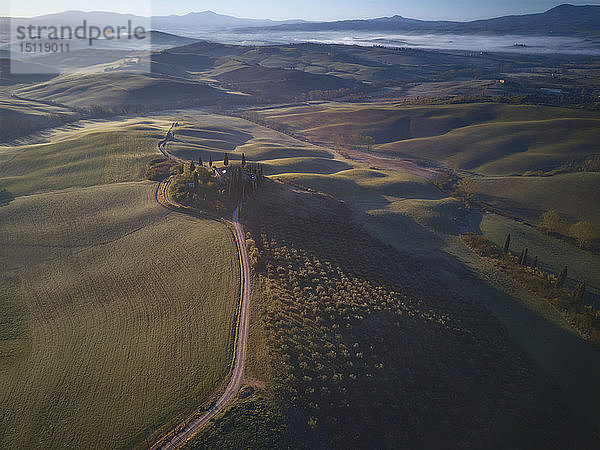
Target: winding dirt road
177,437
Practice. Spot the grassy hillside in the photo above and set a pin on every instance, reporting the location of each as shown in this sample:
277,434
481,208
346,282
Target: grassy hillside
354,63
93,153
553,254
396,207
210,136
111,332
122,89
410,214
573,195
20,117
277,83
485,137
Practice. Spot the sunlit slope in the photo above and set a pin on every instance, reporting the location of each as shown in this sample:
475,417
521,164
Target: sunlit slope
210,136
573,195
93,153
397,207
122,333
122,89
484,137
19,117
119,313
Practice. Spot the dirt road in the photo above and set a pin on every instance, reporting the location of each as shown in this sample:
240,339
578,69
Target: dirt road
177,439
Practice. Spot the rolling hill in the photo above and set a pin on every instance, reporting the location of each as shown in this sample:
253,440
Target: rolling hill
124,89
105,327
491,139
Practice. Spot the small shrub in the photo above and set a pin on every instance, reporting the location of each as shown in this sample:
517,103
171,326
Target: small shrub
481,245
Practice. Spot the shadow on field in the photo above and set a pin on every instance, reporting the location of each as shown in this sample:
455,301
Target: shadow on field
223,139
321,166
571,361
6,197
552,253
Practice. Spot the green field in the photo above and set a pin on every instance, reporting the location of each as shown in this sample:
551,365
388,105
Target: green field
397,207
553,254
573,195
95,152
482,137
20,117
120,314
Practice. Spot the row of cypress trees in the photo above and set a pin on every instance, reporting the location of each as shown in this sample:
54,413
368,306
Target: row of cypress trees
579,291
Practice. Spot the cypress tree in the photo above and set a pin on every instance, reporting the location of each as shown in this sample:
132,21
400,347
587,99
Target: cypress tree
562,276
534,265
209,160
225,159
507,244
524,259
200,162
521,256
192,165
243,160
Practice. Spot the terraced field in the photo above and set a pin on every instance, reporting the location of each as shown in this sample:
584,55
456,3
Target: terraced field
120,314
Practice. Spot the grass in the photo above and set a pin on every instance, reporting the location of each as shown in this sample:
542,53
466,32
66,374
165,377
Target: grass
103,153
254,421
397,207
573,195
119,314
13,334
121,89
484,137
314,165
205,136
126,331
553,254
20,117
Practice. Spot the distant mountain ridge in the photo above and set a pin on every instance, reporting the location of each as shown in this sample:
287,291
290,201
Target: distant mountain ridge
212,19
208,19
563,20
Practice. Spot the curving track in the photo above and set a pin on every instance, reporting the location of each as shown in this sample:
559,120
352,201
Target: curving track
177,437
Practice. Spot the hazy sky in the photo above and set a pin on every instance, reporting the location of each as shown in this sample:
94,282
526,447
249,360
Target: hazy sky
303,9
